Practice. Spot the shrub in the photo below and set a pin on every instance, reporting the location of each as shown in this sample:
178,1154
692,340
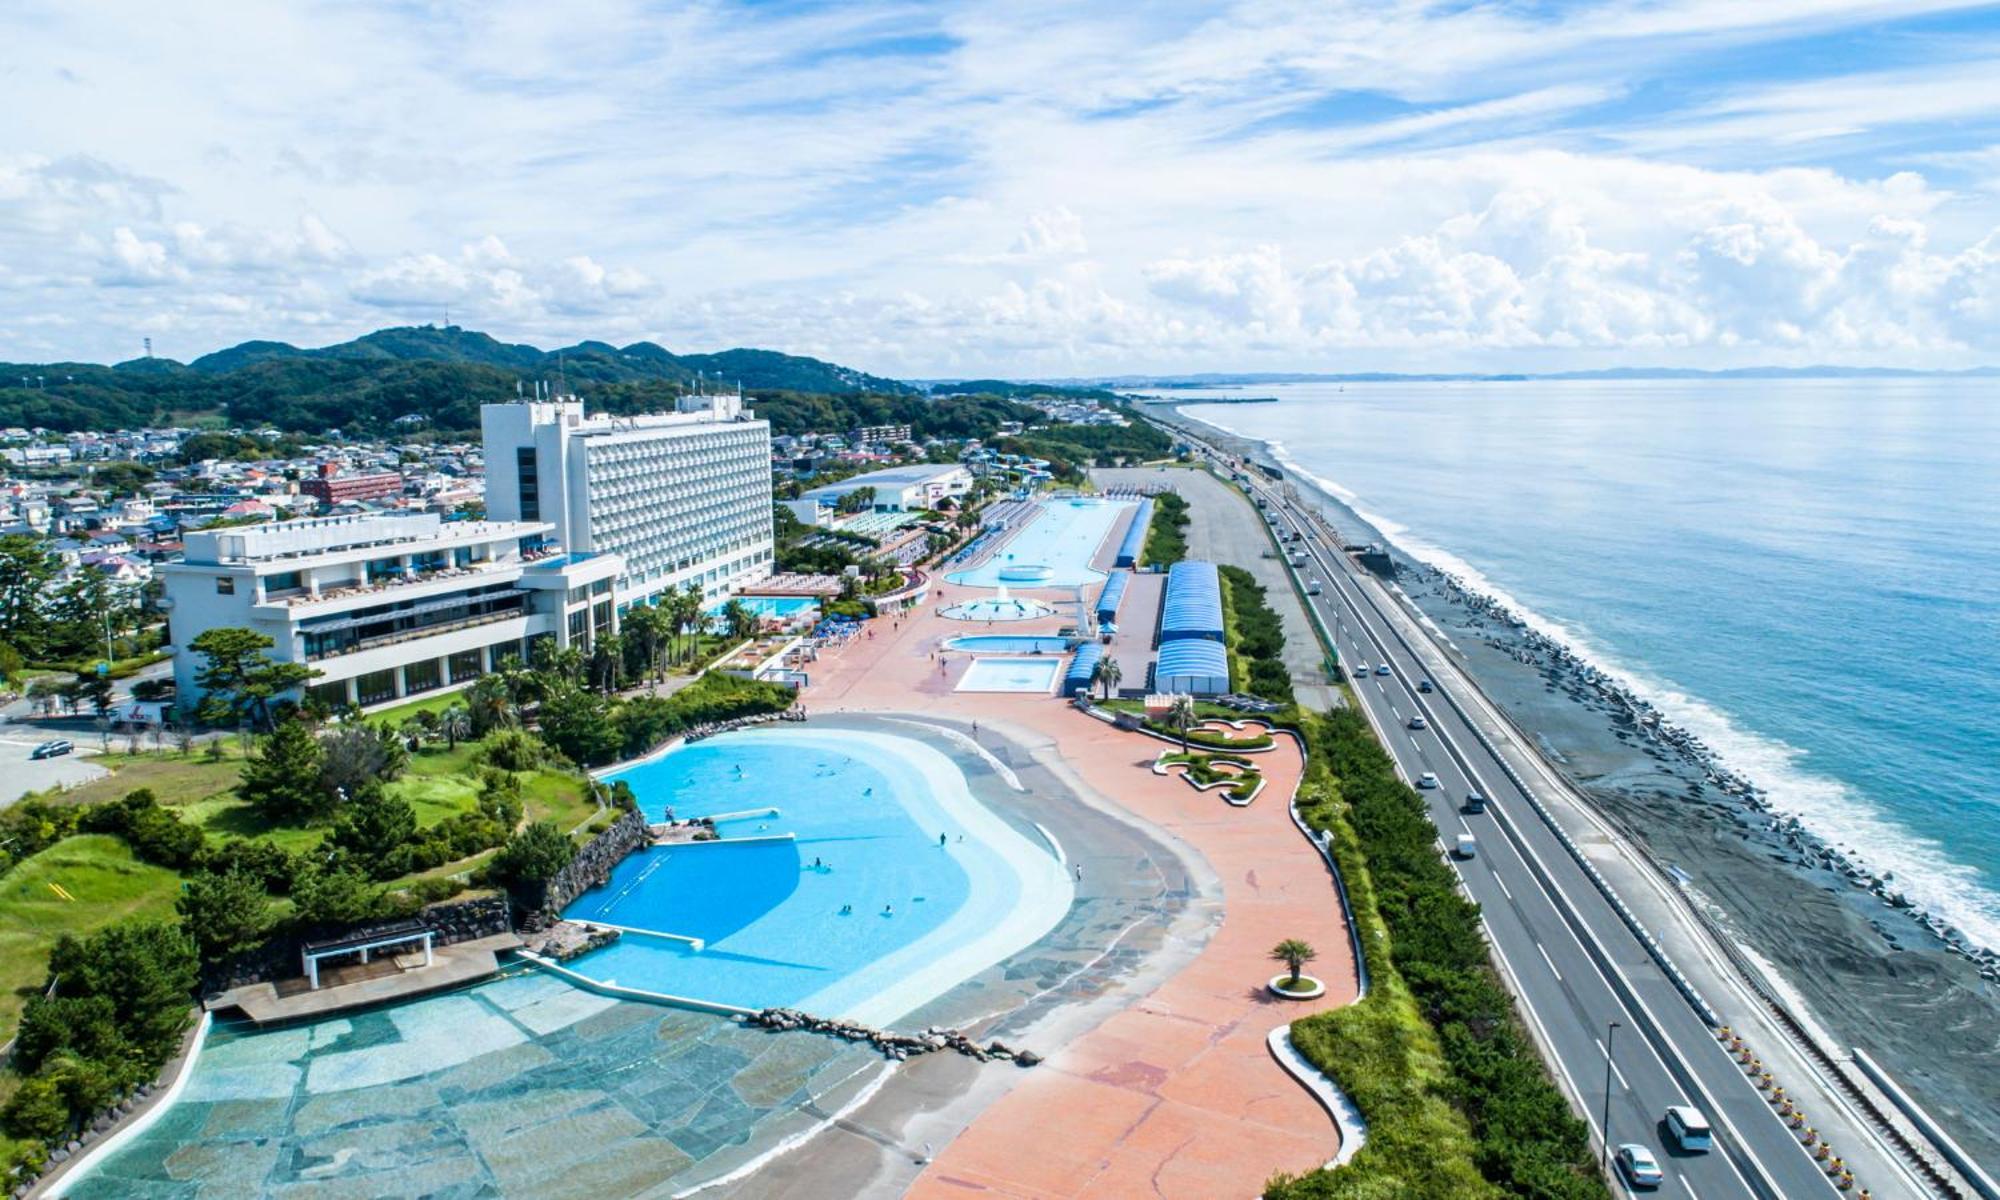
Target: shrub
533,855
515,750
156,835
225,914
357,755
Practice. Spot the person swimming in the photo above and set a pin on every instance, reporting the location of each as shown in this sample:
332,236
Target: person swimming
847,910
888,910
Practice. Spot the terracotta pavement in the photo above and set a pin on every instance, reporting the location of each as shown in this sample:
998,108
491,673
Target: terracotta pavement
1177,1095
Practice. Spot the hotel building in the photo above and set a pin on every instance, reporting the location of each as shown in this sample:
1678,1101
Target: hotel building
387,606
680,497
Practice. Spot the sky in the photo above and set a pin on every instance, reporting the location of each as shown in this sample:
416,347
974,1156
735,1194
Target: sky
1019,189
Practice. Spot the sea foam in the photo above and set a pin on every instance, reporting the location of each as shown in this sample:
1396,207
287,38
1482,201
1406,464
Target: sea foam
1829,809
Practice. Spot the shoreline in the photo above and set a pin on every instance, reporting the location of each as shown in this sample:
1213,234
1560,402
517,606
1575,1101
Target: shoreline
1921,995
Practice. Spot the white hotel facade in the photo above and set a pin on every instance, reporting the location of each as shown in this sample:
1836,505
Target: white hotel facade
681,497
388,606
586,516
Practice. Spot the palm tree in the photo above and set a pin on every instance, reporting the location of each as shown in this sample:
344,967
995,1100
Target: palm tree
685,608
1180,714
741,622
455,723
647,625
489,704
1108,674
1295,954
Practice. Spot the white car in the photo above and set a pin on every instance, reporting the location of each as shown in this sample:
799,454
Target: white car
1361,670
1418,722
1382,669
1639,1167
1427,781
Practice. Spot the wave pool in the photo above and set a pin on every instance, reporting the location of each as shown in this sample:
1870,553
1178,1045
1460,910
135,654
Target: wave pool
860,912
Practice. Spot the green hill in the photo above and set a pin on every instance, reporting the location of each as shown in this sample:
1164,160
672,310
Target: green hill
364,386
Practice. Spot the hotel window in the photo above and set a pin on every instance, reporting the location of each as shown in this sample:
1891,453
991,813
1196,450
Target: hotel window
225,586
333,695
375,687
421,676
529,477
465,665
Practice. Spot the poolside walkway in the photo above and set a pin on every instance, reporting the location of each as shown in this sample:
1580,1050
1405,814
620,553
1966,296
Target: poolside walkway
1178,1094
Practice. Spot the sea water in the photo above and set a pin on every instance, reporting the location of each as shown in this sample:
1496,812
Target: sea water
1805,574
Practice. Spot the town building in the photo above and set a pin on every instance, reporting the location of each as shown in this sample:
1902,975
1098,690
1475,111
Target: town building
387,606
331,487
681,497
899,489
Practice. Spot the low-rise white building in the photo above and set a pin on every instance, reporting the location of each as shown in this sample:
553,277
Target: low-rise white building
918,485
387,606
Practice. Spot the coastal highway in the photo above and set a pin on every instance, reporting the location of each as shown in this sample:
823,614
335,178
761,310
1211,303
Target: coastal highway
1575,964
1578,967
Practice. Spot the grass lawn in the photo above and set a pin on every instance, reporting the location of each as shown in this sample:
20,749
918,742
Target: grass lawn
108,885
436,702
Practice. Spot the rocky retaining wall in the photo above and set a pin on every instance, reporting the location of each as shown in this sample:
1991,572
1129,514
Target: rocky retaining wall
454,921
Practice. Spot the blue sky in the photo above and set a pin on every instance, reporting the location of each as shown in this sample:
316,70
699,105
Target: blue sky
1020,189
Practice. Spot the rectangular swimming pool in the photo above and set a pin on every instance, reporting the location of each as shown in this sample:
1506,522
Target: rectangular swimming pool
1053,550
1011,675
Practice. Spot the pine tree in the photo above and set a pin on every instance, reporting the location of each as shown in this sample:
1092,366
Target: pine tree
282,779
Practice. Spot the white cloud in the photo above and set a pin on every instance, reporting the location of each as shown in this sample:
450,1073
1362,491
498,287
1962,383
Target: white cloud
1020,189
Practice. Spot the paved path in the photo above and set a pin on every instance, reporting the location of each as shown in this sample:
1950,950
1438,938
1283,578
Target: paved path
1177,1095
1224,528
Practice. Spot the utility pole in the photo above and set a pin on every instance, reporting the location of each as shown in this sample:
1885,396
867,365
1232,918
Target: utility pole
1610,1042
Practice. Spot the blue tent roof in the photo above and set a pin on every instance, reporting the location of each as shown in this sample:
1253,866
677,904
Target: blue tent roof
1193,606
1082,667
1113,594
1134,542
1194,664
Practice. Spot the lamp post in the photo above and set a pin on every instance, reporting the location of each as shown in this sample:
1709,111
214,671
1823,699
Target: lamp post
1610,1041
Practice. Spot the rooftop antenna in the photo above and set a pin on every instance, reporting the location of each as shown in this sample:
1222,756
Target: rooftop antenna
149,346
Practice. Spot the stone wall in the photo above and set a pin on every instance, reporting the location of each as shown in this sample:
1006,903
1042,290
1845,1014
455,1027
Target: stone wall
455,921
591,867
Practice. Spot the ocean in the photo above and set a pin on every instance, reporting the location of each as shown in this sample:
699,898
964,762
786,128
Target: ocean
1805,574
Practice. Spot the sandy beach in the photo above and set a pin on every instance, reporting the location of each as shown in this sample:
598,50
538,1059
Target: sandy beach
1870,974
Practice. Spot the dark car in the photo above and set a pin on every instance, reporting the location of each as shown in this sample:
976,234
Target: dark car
51,749
1424,685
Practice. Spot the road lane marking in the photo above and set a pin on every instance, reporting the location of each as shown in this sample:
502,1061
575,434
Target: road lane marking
1614,1065
1552,967
1501,880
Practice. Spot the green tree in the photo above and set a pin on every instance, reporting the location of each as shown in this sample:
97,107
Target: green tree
1295,954
26,568
95,688
533,855
37,1111
50,1025
489,704
358,755
146,968
1181,715
579,724
374,831
327,896
646,628
121,479
226,913
282,780
1108,673
738,618
238,679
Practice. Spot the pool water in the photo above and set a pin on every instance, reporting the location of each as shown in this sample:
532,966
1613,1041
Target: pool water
1010,675
771,606
1000,643
862,913
1003,608
1053,550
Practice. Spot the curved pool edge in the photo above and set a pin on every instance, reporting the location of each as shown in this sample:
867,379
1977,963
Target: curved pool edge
77,1170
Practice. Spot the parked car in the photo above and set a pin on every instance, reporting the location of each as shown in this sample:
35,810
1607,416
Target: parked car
52,749
1639,1167
1427,781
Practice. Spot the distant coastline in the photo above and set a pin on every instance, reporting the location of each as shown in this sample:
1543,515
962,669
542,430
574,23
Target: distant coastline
1223,379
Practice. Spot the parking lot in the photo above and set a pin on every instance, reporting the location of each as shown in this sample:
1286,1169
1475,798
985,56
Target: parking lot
20,775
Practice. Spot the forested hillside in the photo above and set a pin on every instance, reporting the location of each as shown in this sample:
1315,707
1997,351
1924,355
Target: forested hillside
364,386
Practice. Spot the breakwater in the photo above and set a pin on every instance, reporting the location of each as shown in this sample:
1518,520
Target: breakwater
1639,721
896,1047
